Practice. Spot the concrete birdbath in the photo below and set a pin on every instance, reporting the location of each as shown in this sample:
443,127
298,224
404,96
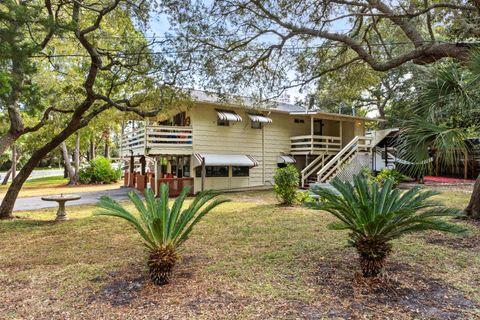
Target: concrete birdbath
61,199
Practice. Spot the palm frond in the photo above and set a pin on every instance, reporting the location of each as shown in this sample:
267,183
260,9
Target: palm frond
159,224
372,211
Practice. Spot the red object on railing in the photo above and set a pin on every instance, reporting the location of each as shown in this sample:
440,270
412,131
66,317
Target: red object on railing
141,182
176,185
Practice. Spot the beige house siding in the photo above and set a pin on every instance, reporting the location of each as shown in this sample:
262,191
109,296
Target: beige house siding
265,145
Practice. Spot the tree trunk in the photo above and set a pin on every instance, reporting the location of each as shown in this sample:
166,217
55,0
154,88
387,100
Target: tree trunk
106,149
7,176
92,149
76,157
106,152
14,161
68,165
8,202
473,209
7,140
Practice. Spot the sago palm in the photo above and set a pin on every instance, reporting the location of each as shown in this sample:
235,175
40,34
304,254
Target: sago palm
376,215
163,228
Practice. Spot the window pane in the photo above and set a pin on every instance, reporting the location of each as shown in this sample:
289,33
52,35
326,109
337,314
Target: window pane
240,171
217,171
256,125
223,123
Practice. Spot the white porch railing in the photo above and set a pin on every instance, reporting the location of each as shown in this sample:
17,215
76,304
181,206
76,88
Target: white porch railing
134,139
158,136
166,136
313,167
313,143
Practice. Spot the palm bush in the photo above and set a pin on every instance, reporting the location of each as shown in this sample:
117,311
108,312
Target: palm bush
164,229
375,215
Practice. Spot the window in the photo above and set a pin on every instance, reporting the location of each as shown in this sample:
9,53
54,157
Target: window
299,121
256,125
240,171
217,171
223,123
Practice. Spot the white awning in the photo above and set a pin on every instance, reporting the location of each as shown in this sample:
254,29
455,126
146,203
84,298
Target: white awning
228,115
286,159
240,160
259,118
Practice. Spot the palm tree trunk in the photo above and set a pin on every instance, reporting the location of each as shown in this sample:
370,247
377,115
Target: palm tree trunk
473,208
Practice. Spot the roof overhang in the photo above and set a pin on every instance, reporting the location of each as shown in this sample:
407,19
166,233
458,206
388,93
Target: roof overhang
286,159
240,160
327,115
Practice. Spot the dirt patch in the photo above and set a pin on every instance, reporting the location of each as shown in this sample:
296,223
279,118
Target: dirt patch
401,287
455,243
119,292
465,187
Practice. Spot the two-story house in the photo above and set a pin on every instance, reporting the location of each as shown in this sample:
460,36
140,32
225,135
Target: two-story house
213,145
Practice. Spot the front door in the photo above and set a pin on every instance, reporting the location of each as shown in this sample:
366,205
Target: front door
317,127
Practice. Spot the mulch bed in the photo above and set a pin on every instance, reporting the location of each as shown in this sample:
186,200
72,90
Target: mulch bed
402,289
402,292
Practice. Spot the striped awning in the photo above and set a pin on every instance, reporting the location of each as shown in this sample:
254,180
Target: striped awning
259,118
286,159
240,160
228,115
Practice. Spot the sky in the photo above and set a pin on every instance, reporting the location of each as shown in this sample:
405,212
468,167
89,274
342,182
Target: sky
159,26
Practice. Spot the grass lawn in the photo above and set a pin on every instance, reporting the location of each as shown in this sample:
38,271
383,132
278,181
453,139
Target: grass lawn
248,259
55,185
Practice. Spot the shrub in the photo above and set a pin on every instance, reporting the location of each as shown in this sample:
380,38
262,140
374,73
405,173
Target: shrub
163,229
286,182
99,170
376,214
304,197
389,174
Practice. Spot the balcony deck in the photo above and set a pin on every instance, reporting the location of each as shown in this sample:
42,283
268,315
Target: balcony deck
314,144
156,140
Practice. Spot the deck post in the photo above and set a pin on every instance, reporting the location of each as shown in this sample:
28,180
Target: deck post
386,156
132,164
340,123
143,163
203,174
158,173
311,133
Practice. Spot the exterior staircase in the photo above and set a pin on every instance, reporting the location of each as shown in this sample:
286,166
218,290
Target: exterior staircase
349,161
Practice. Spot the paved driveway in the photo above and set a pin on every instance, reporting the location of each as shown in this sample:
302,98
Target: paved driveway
33,203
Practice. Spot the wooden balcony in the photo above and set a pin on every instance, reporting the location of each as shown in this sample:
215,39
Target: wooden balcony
158,140
313,144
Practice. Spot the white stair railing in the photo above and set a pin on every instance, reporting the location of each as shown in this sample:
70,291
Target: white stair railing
328,169
312,167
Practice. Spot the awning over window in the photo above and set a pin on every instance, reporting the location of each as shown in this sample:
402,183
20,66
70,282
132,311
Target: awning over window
286,159
240,160
259,118
228,115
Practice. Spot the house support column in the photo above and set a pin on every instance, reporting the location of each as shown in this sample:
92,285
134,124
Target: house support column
340,123
204,171
158,174
386,156
143,163
131,169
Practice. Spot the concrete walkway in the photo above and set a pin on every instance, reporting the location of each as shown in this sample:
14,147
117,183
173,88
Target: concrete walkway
38,174
35,203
